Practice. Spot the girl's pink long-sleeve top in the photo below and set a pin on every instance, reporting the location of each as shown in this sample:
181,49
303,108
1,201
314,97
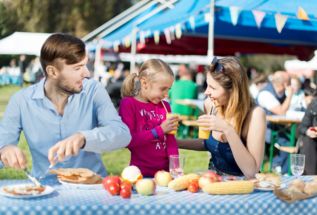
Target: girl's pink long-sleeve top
150,147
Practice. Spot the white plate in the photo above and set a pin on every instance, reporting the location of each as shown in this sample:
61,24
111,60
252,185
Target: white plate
81,186
48,190
263,188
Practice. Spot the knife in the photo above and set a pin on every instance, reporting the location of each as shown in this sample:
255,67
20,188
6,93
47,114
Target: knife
33,179
49,168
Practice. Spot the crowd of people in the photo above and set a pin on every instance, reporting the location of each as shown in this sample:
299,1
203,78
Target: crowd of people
18,73
78,120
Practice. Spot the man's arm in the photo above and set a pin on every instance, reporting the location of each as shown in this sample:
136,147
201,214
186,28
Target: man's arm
10,129
111,133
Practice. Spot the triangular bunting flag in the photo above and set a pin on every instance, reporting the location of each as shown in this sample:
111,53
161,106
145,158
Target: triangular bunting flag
301,14
172,31
116,46
167,36
207,17
234,12
127,41
156,37
178,31
192,22
280,21
142,37
258,16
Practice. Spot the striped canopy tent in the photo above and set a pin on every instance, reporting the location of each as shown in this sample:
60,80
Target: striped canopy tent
208,27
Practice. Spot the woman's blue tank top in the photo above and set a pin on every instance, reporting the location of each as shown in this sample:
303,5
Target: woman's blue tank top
222,159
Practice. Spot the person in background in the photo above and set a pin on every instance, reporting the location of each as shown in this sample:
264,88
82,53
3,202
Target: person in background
258,83
183,88
142,108
275,102
22,66
64,116
237,126
308,131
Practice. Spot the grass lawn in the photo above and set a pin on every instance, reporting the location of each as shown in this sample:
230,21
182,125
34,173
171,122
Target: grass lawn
114,161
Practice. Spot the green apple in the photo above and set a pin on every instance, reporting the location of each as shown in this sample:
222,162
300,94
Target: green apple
145,187
162,178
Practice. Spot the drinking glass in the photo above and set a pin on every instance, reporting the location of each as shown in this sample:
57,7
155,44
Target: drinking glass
297,164
176,165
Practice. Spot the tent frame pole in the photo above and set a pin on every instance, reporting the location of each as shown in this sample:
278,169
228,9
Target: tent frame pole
210,52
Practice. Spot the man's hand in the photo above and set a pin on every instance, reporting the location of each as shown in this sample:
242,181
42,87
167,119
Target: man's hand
65,148
311,132
12,156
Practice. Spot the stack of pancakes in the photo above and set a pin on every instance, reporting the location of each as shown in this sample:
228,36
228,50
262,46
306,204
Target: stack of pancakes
77,175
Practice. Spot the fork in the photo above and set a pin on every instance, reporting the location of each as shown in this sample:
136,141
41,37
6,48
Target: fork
33,179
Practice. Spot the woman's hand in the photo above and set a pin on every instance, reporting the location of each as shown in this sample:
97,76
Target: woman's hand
311,132
170,124
212,122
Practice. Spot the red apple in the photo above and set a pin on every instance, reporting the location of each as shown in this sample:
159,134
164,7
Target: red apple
162,178
214,177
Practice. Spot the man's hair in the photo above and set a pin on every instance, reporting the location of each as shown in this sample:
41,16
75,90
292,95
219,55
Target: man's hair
64,47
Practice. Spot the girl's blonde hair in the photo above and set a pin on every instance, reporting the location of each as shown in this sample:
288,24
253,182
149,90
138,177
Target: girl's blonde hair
230,74
131,85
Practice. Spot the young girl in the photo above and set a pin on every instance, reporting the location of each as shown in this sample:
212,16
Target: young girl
144,111
237,127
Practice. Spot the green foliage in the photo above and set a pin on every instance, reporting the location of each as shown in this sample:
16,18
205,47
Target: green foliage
77,17
264,62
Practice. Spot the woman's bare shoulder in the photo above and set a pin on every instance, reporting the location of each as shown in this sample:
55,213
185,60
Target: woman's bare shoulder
257,115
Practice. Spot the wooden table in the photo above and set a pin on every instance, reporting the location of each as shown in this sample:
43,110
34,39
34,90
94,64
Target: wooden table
292,122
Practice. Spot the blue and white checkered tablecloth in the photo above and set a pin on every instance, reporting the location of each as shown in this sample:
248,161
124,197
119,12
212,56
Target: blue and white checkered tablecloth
74,201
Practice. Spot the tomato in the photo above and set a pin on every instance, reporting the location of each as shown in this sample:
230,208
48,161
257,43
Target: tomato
193,187
125,193
109,180
126,185
113,189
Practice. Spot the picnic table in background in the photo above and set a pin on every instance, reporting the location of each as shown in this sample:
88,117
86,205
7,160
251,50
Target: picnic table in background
289,123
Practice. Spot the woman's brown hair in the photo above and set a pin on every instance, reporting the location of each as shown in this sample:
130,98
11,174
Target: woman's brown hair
230,74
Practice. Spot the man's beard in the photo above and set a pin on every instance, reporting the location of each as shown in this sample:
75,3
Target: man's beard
67,90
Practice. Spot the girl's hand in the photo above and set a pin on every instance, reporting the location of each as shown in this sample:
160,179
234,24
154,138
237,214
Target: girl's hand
311,132
212,122
170,124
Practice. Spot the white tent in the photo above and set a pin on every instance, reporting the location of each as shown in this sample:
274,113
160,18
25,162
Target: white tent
298,67
23,43
298,64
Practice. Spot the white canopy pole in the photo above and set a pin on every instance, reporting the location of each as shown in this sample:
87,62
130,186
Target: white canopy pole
210,52
133,49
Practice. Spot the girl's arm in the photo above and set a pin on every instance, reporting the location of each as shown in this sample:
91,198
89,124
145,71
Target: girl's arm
139,138
249,158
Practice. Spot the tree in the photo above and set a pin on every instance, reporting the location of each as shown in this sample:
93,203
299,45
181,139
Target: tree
77,17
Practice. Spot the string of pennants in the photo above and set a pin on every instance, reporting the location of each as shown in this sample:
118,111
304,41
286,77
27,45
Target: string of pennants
175,32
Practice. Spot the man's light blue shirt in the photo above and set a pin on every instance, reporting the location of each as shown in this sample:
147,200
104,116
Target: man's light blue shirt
90,112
